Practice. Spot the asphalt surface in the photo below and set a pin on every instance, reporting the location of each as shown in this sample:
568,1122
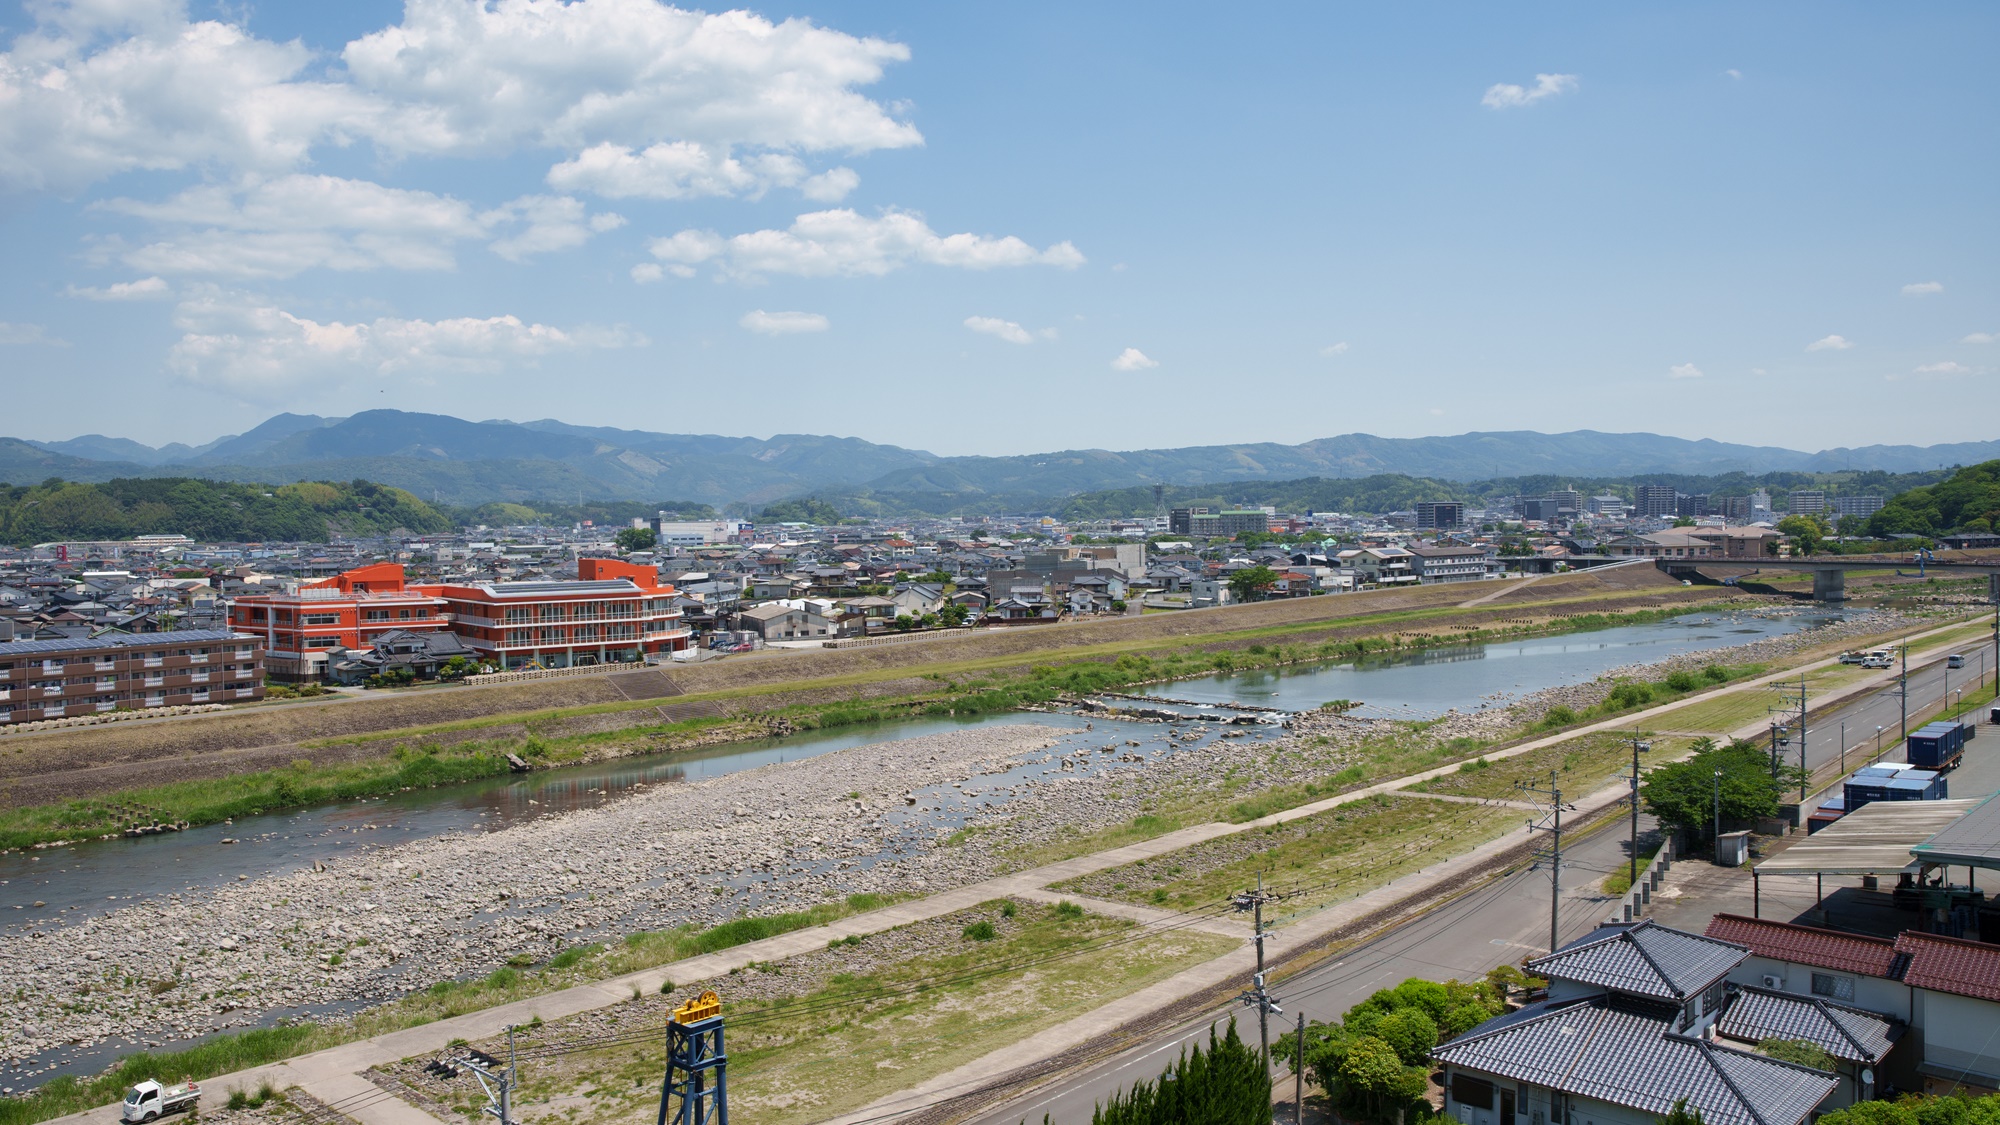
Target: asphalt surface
1503,921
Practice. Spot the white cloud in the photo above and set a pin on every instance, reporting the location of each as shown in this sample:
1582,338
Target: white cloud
646,272
547,223
1332,350
843,243
1830,344
283,226
102,87
1948,367
1733,72
1982,338
1132,359
1684,371
240,344
97,89
1005,329
1505,95
12,334
831,186
784,323
1758,371
144,289
1923,288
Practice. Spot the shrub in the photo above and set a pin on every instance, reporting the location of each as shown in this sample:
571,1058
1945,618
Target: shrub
1558,716
1630,695
1008,910
981,931
1068,909
1683,681
1715,673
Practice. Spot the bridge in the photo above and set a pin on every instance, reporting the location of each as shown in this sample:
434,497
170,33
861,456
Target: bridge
1830,571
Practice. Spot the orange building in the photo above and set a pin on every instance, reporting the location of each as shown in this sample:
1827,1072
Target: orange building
348,610
614,612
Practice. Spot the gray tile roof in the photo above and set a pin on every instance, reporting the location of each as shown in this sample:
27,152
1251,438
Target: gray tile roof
1643,960
1847,1033
1626,1054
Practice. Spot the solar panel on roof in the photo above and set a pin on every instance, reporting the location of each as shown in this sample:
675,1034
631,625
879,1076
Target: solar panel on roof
119,640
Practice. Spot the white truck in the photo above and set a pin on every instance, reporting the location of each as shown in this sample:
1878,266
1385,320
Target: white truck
149,1099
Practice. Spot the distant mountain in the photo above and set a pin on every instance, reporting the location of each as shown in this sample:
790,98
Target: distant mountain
456,461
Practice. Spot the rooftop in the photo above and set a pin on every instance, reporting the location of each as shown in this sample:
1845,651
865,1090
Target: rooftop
1875,839
1645,959
1847,1033
1807,945
1954,965
1972,840
1627,1055
120,640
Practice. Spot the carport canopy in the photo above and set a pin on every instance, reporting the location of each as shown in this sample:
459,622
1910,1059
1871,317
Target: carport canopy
1973,840
1879,838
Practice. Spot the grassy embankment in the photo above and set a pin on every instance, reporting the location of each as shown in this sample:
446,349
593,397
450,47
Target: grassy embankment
1018,968
1313,861
962,688
234,1051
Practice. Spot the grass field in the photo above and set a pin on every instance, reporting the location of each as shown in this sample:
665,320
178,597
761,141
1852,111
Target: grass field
1583,766
1313,861
854,1037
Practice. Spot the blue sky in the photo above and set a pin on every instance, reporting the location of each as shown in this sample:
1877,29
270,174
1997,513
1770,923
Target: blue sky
1002,230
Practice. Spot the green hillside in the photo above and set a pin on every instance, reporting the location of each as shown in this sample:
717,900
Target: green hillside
312,511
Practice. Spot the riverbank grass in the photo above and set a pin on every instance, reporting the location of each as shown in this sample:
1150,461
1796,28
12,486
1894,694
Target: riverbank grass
859,1036
234,1051
1314,861
1582,765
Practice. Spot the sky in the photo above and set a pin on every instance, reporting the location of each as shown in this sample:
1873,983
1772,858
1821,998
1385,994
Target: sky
1004,229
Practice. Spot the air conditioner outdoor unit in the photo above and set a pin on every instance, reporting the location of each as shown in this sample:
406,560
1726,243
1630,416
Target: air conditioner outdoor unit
1773,982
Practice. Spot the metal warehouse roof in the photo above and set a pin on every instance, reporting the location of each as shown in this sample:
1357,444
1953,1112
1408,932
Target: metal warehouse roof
1875,839
1973,840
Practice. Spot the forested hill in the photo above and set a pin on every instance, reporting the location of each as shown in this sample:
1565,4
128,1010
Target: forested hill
309,511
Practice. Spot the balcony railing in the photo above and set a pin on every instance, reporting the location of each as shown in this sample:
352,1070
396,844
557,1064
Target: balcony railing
198,678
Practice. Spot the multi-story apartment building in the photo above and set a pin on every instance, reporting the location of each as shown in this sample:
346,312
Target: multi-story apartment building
346,611
1440,515
1809,502
1655,500
1856,505
613,612
59,679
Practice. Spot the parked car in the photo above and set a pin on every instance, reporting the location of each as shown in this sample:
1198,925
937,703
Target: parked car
1955,660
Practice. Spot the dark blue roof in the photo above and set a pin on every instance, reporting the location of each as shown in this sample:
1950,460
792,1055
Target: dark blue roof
1645,959
1847,1033
121,640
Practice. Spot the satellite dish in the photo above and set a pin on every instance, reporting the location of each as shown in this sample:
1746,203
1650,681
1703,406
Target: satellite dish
1868,1076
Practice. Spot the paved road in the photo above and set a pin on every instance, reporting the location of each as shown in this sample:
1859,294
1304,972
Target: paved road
1502,922
1928,684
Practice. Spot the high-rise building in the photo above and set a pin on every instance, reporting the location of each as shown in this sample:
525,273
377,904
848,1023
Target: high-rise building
1443,515
1567,498
1654,500
1856,505
1694,506
1543,510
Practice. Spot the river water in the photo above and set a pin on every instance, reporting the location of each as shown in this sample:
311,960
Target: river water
116,874
110,874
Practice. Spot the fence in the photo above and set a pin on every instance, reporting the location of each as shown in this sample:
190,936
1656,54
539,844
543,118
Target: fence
1650,877
550,673
897,638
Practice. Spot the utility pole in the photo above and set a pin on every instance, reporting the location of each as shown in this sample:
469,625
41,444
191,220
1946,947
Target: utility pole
1299,1073
1257,996
498,1084
1903,691
1638,747
1553,823
1779,732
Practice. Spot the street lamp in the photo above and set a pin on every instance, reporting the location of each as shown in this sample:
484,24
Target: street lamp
1878,742
1639,746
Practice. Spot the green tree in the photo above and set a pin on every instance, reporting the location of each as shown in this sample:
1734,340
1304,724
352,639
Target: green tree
636,539
1682,1114
1682,794
1245,584
1807,533
1226,1084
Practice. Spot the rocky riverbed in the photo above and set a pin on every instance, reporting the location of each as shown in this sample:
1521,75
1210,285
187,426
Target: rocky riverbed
872,818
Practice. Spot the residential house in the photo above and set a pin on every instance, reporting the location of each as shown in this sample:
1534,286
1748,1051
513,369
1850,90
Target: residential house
1381,566
915,599
1947,990
779,621
1627,1029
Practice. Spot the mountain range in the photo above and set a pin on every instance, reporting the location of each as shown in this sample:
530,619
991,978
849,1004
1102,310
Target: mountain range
461,462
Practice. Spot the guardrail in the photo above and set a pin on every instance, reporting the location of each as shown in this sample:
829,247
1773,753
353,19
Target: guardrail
896,638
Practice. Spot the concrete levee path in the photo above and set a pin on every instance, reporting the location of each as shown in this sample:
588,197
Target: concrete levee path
335,1077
